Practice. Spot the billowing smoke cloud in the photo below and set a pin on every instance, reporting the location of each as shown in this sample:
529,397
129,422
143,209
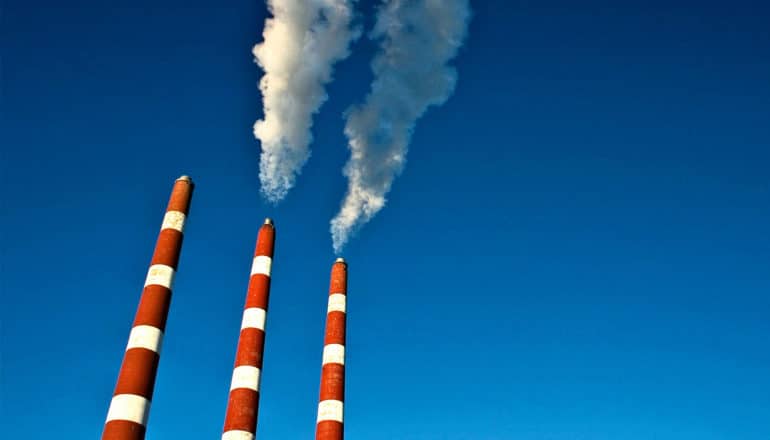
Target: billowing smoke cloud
302,42
418,39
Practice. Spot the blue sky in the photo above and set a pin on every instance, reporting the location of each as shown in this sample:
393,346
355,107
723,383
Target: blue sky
578,247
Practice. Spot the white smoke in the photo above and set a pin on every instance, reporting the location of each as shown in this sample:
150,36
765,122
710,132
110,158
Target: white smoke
302,42
418,39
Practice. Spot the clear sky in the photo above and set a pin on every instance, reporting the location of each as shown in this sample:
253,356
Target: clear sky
578,248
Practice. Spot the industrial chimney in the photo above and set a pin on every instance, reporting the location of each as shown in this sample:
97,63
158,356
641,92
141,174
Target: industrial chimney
130,405
243,403
329,424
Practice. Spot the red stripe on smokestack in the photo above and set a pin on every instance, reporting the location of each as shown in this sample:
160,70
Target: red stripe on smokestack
243,403
329,424
130,405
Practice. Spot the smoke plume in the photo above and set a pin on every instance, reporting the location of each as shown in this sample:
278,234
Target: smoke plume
302,42
418,38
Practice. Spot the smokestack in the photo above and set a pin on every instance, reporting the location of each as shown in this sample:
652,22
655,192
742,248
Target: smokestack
130,405
243,404
329,425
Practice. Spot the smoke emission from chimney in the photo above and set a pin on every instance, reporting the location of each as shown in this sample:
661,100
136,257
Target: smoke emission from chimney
302,42
418,39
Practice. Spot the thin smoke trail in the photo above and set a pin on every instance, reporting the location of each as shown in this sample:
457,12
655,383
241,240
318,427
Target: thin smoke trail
302,42
411,73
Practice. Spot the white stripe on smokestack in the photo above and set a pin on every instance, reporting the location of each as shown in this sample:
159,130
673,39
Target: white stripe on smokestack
174,220
161,275
145,336
329,423
243,402
130,405
261,264
237,435
334,354
245,376
254,317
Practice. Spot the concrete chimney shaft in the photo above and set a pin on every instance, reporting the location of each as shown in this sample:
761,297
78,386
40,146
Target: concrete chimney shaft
243,403
329,423
130,405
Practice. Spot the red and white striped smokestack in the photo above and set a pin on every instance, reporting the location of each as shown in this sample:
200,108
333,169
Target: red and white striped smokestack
130,405
243,403
329,425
